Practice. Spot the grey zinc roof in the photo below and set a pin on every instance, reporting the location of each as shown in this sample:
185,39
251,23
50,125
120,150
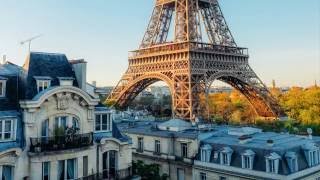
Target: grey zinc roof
282,143
5,114
51,65
149,128
10,72
9,69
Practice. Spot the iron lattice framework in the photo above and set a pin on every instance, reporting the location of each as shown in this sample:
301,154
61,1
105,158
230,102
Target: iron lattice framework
187,64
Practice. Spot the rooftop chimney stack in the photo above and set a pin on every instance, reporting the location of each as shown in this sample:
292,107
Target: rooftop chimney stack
94,83
4,59
80,68
309,131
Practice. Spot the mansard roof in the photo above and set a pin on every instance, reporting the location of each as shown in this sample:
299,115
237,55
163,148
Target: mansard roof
10,72
258,144
9,69
45,65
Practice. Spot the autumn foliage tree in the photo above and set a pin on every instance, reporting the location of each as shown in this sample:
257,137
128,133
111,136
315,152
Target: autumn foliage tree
302,105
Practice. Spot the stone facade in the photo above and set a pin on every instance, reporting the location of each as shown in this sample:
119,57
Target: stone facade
223,152
59,131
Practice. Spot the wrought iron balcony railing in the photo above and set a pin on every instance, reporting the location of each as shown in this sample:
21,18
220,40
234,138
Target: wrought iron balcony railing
123,174
56,143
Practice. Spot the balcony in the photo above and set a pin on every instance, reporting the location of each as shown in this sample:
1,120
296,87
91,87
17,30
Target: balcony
57,143
123,174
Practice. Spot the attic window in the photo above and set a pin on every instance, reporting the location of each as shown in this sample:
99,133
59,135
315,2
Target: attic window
247,159
43,83
205,153
312,152
3,87
272,163
292,161
225,156
66,81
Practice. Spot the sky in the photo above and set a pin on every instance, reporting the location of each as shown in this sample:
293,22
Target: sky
283,36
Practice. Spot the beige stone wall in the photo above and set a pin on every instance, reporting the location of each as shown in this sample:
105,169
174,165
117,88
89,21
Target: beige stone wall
30,165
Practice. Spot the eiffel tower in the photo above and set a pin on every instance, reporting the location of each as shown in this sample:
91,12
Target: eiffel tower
201,51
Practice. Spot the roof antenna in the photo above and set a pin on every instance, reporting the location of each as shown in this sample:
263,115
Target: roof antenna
30,40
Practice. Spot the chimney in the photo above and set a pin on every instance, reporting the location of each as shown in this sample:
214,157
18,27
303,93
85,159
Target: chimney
80,69
309,131
4,59
94,83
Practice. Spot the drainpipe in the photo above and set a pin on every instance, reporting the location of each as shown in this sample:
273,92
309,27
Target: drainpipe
98,158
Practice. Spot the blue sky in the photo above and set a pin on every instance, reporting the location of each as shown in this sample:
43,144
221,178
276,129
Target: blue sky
283,36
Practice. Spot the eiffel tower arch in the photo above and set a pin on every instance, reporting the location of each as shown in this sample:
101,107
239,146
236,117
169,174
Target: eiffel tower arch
188,64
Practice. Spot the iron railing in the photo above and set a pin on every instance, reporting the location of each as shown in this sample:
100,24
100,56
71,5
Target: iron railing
123,174
56,143
183,46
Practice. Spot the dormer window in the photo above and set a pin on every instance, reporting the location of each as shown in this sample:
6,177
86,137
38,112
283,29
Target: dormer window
292,161
311,152
7,129
43,82
3,83
272,163
225,156
66,81
247,158
205,153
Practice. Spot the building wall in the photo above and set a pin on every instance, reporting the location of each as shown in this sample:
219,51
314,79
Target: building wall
168,167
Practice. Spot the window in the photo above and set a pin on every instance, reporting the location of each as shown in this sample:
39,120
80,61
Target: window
272,163
103,122
246,163
247,159
205,153
311,152
7,173
313,158
46,171
2,88
71,168
157,147
43,85
140,144
75,123
45,128
61,170
292,161
203,176
180,174
61,122
85,166
225,156
272,166
184,150
67,169
7,128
